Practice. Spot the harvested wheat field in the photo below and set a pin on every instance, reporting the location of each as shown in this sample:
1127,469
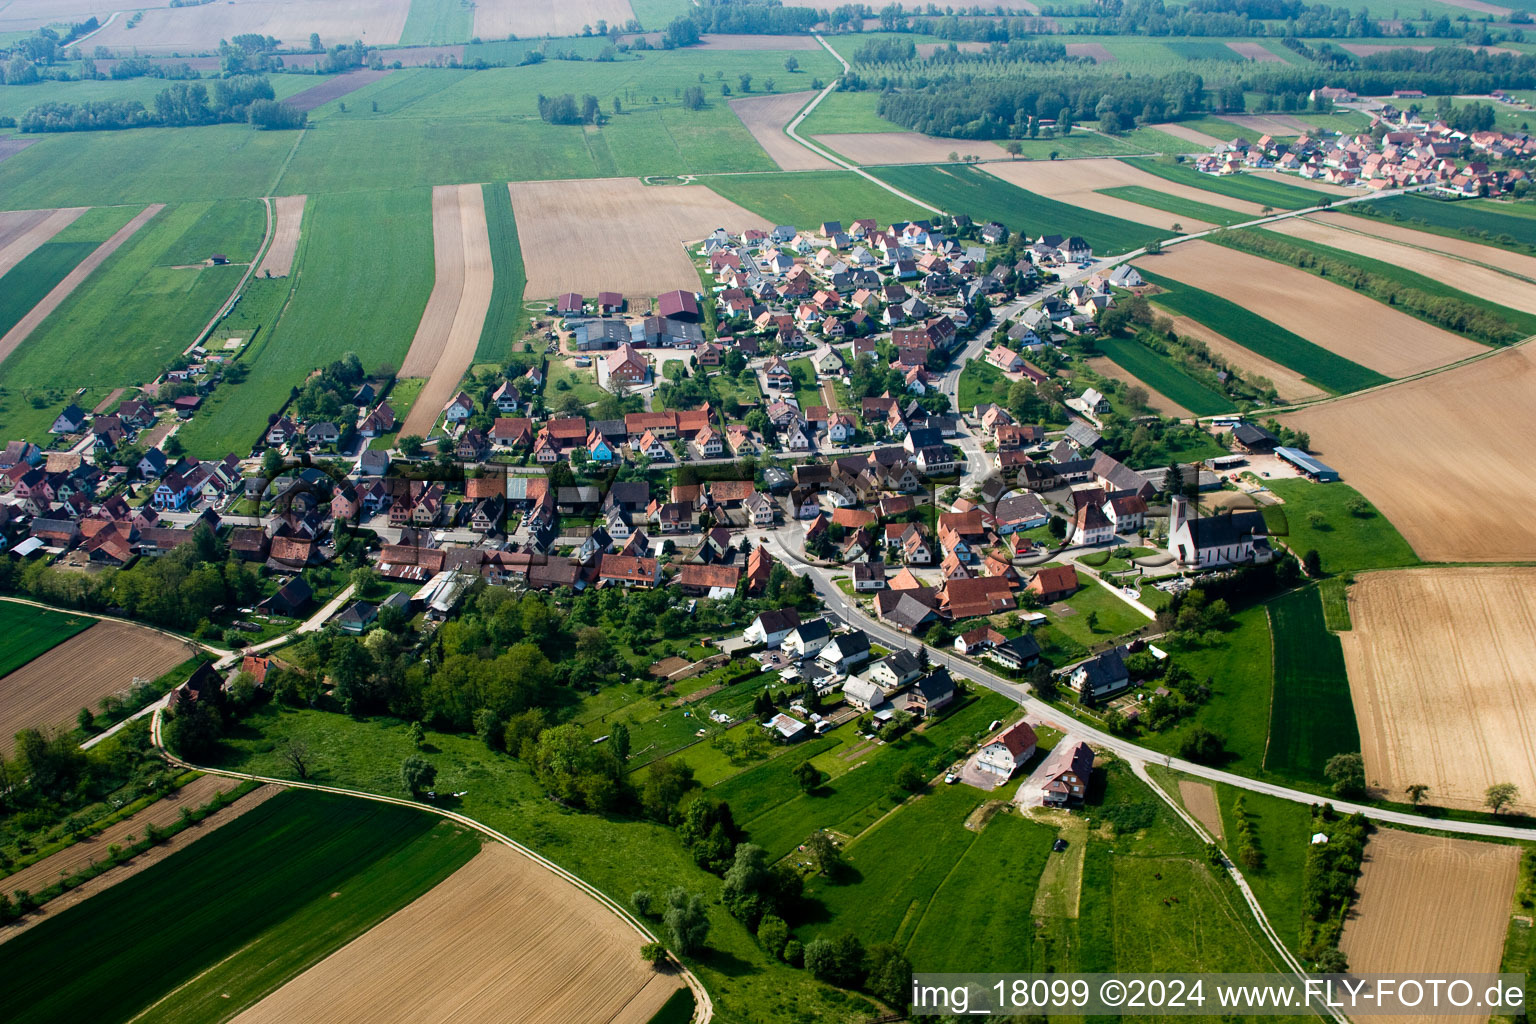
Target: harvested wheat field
501,939
766,116
1200,801
1289,385
278,262
1097,51
876,148
1191,136
558,221
26,15
166,30
1488,255
1430,904
497,19
1442,669
91,849
450,326
52,688
1078,181
1341,320
1441,457
1156,400
1255,51
1472,279
22,231
72,280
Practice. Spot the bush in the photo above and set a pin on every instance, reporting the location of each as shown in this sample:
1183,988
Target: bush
838,961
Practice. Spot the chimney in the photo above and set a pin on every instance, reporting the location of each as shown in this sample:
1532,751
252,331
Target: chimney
1179,513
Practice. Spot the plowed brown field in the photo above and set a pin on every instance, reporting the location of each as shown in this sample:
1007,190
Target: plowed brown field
1078,181
1443,457
22,231
1200,139
52,688
278,262
72,280
1355,326
1474,280
1515,263
450,326
502,939
497,19
1200,801
875,148
766,116
1097,51
1429,903
1255,51
571,243
1442,669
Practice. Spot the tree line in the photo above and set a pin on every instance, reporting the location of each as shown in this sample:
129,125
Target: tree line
242,98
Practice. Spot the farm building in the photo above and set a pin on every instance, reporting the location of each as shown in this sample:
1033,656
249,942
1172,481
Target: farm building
1308,466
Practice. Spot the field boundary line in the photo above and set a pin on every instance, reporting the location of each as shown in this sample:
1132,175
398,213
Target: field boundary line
704,1008
283,170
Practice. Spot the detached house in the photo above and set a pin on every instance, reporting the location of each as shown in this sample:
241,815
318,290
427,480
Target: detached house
1008,751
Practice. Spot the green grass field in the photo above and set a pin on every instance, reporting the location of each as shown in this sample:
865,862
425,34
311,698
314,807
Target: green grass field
843,113
1266,191
32,631
1115,617
1202,49
1176,205
1161,375
365,271
980,382
506,318
1312,717
438,21
1506,224
1523,322
1283,829
1315,363
963,189
1345,541
142,307
806,198
236,914
48,264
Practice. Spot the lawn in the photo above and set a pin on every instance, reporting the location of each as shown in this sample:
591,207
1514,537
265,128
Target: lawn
563,377
506,319
963,189
1264,191
982,382
1508,225
807,198
1283,829
1312,717
376,245
218,945
1318,516
844,113
30,632
1315,363
1161,375
140,308
1114,617
1176,205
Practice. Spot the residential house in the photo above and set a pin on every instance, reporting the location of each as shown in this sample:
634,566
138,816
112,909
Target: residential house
1007,751
807,639
770,628
931,694
1101,677
1054,583
845,650
1066,773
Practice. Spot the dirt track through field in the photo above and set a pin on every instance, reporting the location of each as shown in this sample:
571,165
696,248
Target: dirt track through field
450,326
88,851
875,148
1078,181
1289,385
53,687
22,231
1156,400
1200,139
72,280
616,234
143,862
501,939
1488,255
1200,801
1339,319
1473,280
1442,670
1443,457
497,19
278,262
166,30
1430,904
766,116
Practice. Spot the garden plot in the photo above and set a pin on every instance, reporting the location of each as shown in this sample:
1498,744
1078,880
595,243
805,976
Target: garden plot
766,116
1442,666
616,234
1345,322
1447,478
501,932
